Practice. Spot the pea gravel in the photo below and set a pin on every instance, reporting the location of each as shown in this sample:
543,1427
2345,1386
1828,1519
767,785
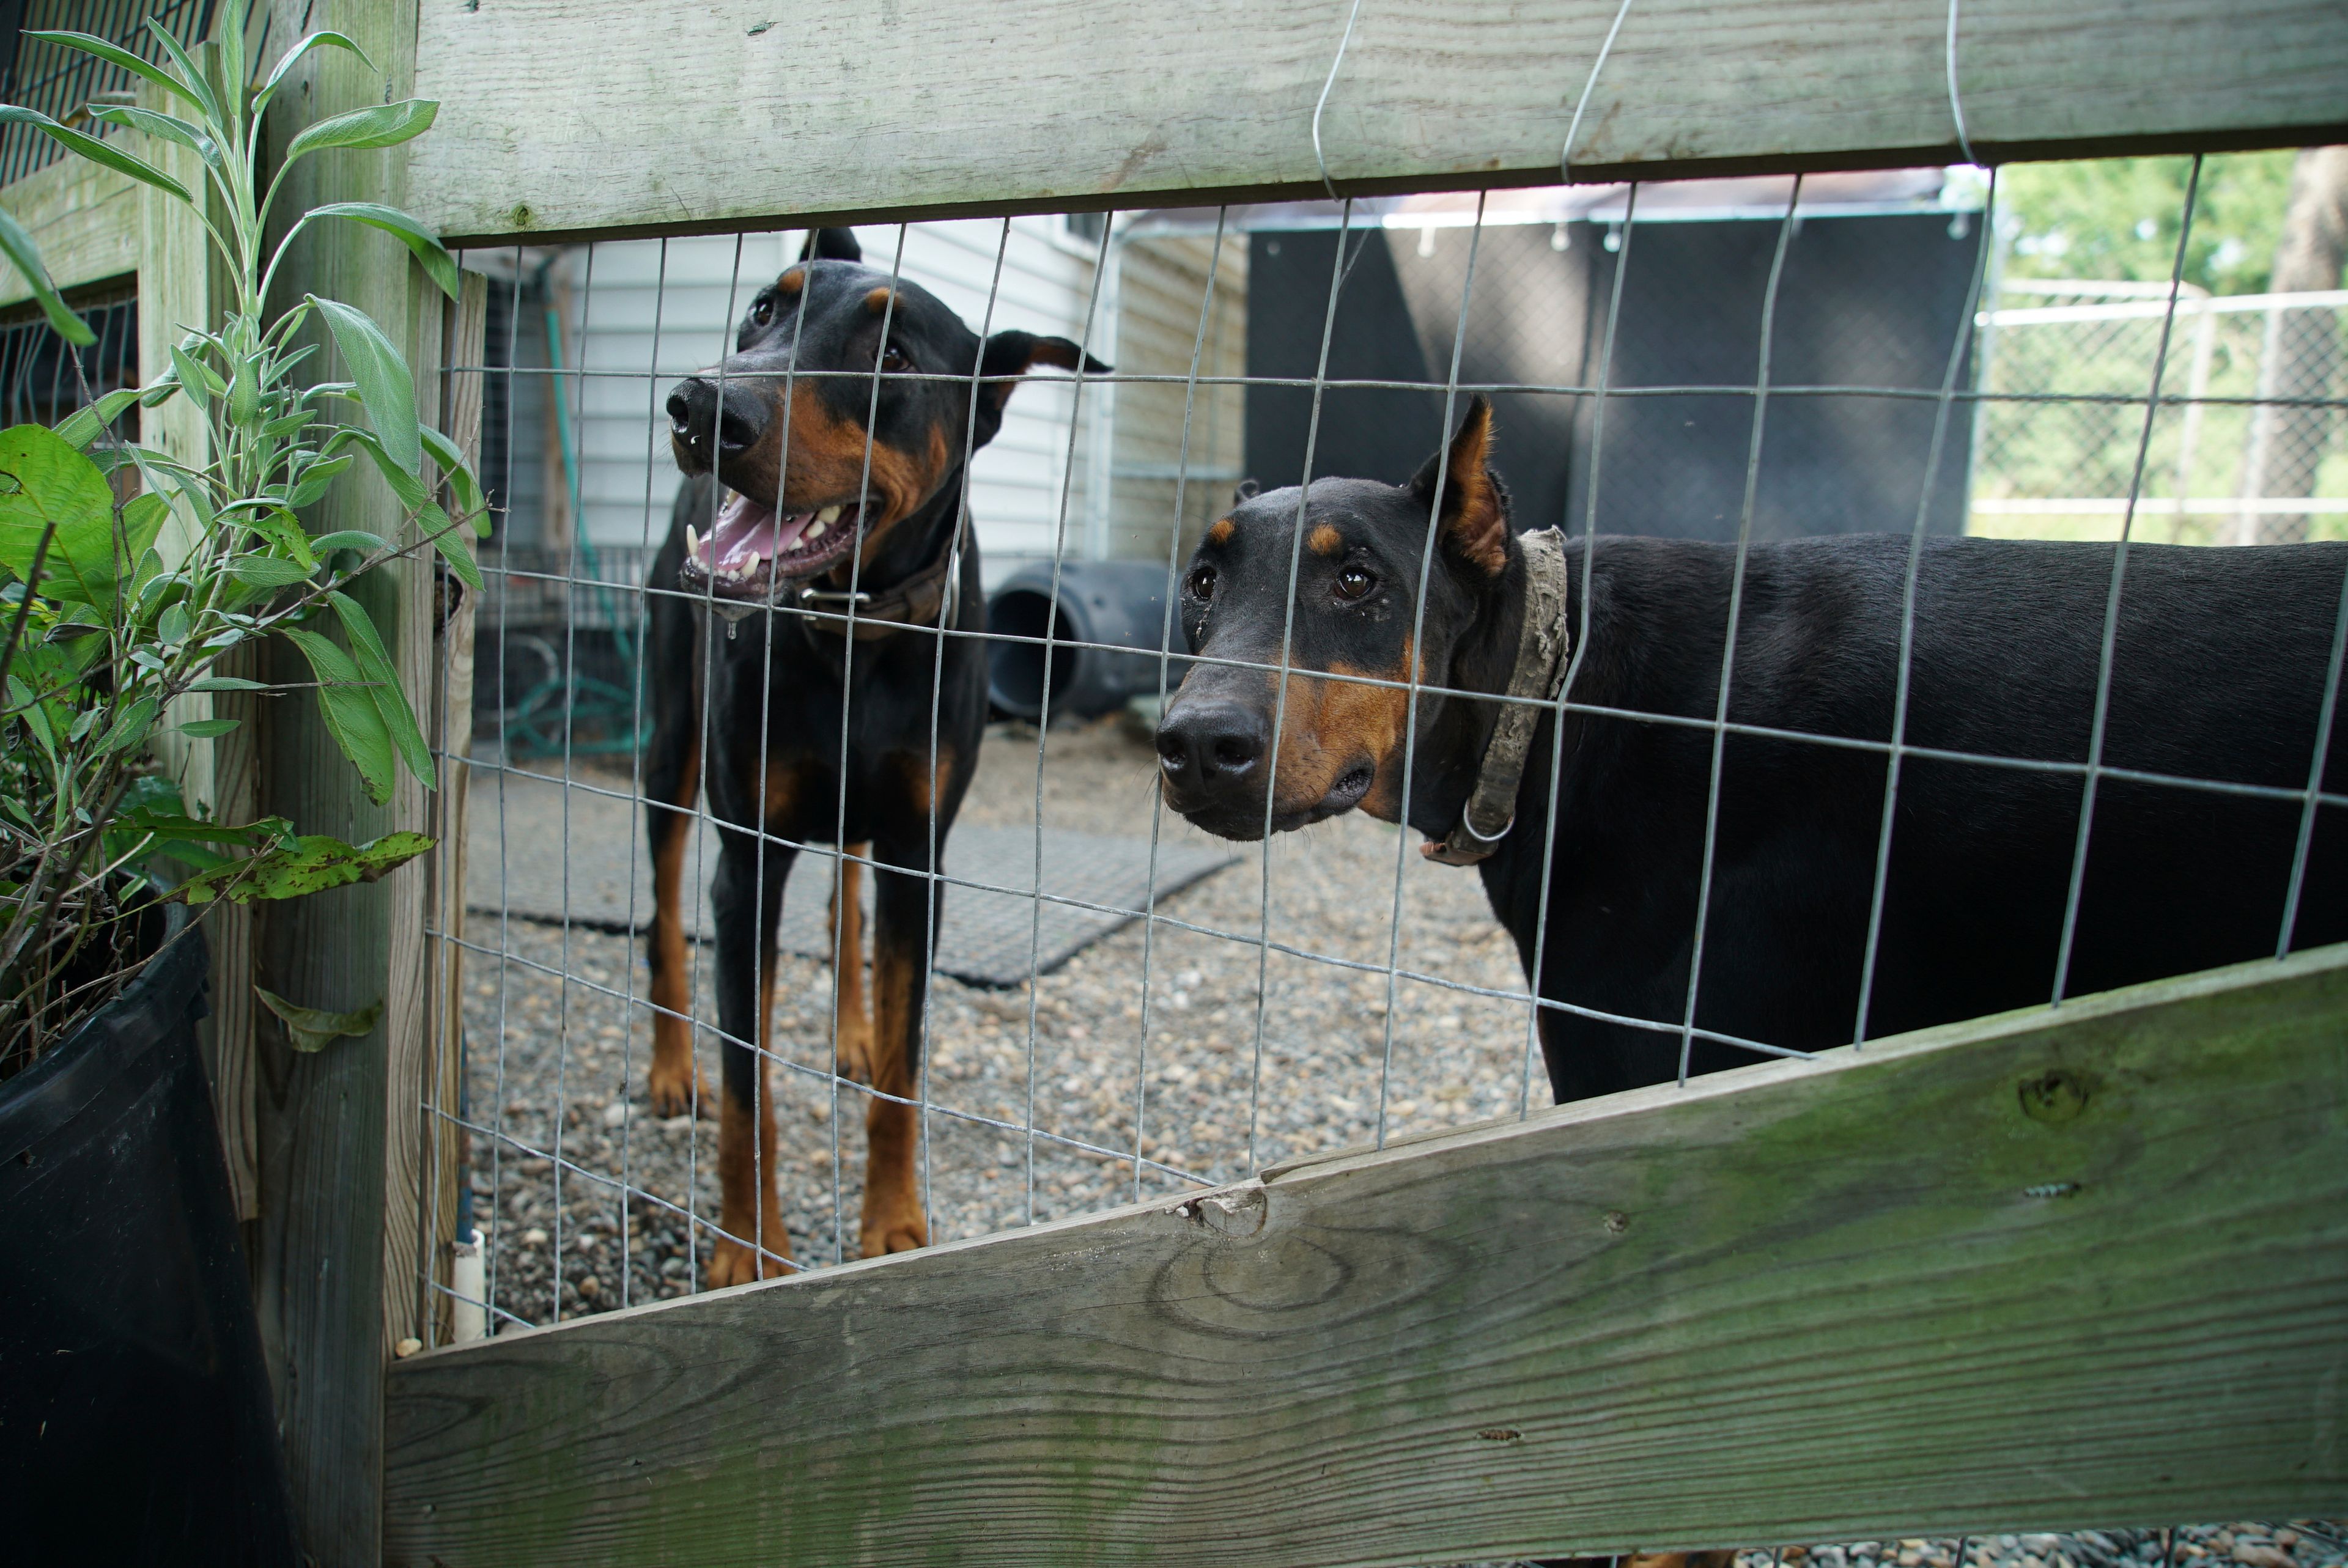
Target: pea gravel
555,1070
555,1074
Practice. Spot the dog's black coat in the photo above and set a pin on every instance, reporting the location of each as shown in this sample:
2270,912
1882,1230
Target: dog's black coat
804,735
2218,674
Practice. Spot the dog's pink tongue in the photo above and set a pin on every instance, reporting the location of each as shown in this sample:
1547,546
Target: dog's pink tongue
746,528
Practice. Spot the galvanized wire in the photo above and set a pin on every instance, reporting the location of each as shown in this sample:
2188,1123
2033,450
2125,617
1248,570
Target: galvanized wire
1728,641
2112,606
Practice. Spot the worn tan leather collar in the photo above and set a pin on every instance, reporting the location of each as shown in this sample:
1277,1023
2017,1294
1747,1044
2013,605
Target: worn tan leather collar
1541,648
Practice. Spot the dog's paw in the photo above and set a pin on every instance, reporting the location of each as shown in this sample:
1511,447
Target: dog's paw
853,1053
676,1090
903,1232
735,1262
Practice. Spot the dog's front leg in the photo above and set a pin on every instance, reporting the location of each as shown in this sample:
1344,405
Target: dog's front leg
747,901
904,909
852,1031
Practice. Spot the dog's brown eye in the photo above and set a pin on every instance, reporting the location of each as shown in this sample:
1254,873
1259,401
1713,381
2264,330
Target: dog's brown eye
1353,582
762,311
1201,582
892,358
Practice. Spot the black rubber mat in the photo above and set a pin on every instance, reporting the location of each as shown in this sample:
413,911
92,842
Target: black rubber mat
537,856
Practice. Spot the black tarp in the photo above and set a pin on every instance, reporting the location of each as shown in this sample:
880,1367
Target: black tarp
1866,301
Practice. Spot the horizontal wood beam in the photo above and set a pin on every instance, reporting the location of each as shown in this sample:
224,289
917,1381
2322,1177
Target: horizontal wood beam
739,113
83,216
2048,1270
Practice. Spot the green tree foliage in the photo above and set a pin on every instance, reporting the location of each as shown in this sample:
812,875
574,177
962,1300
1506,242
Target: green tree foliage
2116,217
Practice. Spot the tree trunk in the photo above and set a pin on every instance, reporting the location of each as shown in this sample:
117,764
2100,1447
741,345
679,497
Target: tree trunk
2300,356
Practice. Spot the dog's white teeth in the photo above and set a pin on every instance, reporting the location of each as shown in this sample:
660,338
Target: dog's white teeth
827,516
758,559
815,531
692,541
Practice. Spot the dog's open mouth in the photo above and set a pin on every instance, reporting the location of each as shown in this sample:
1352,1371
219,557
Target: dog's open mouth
753,550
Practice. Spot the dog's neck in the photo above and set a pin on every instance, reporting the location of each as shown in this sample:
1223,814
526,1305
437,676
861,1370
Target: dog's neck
914,545
1452,742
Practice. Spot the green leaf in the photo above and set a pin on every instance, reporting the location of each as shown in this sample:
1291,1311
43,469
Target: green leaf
456,548
450,541
114,55
301,47
350,539
205,729
266,571
172,625
43,481
316,480
385,387
195,90
243,393
26,257
464,488
303,865
438,264
309,1031
284,529
195,376
225,683
390,701
351,715
129,726
378,125
170,127
231,79
96,151
79,429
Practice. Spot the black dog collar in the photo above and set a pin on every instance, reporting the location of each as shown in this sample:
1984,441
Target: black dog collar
925,599
1541,648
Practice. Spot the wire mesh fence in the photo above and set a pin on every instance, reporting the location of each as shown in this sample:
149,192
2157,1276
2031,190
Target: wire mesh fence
64,84
1112,1005
40,382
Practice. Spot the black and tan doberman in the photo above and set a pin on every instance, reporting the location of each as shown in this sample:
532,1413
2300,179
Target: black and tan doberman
2218,671
826,459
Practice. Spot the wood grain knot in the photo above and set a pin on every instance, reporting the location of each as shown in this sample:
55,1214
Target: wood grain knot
2053,1097
1286,1281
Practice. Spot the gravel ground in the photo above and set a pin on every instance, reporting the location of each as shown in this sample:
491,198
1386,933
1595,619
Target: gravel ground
2302,1544
575,1053
557,1070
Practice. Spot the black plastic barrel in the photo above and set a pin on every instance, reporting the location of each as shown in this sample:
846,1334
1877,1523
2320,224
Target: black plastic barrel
1120,605
136,1424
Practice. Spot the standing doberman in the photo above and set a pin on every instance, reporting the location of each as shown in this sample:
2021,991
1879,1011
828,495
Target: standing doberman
2218,672
827,458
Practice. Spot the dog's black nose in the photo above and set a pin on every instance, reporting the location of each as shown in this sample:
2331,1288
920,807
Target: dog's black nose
1215,742
737,416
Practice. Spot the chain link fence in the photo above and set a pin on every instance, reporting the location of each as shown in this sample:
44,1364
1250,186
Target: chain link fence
2245,448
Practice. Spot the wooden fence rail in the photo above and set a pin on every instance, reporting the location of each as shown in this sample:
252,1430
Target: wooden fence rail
2056,1268
728,114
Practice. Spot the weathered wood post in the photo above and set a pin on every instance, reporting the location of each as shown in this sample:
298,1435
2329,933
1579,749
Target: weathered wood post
337,1149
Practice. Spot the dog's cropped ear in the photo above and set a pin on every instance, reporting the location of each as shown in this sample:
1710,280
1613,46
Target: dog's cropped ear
831,245
1474,517
1249,489
1012,355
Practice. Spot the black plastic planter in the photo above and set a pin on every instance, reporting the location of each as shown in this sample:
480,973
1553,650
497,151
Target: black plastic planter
136,1424
1120,604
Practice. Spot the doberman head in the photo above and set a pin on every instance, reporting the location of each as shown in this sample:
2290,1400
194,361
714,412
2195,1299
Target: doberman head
829,352
1358,636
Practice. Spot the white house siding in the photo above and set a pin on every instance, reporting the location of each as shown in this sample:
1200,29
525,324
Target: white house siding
1159,289
666,308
